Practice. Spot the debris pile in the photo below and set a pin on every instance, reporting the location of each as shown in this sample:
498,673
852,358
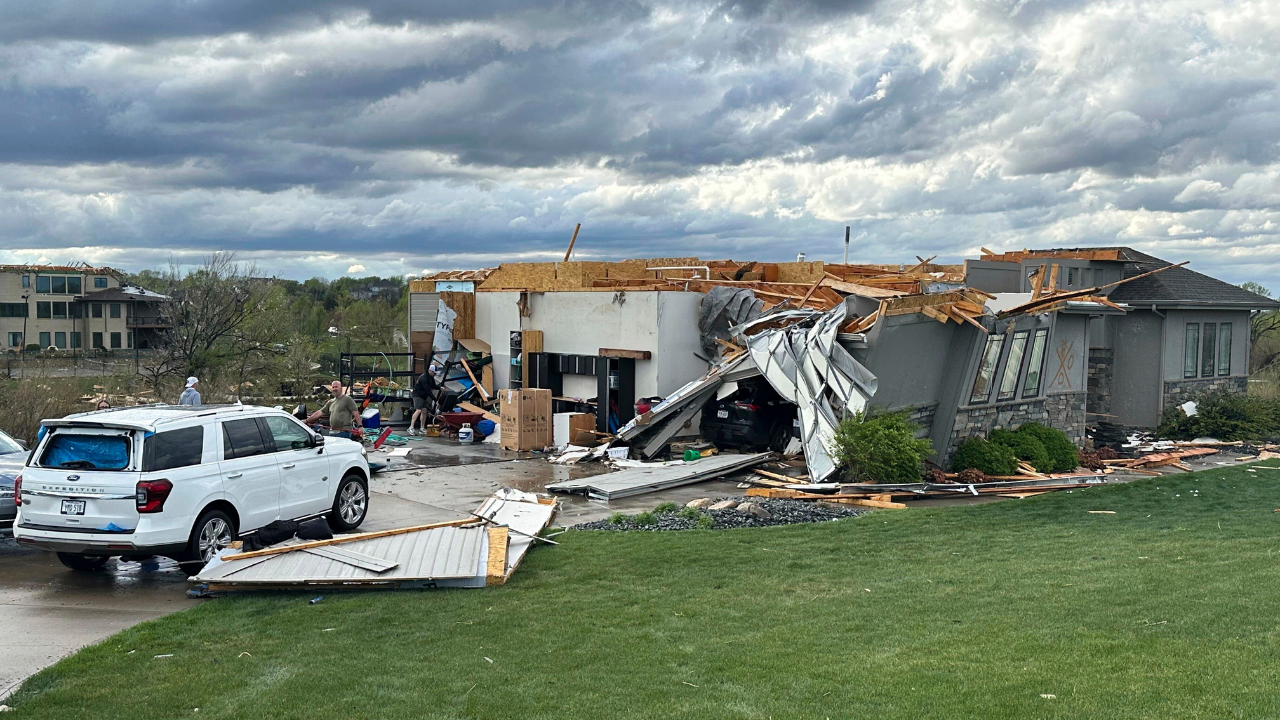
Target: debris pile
730,512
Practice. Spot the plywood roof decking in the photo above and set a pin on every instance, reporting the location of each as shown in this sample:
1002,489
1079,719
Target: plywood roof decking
1072,254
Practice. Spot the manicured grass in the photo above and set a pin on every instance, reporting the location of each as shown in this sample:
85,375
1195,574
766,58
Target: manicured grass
1169,608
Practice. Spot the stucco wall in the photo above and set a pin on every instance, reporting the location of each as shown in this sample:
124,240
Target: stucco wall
581,323
1136,370
1175,339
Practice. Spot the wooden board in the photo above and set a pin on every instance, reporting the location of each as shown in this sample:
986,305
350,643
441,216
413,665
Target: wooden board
633,354
464,304
495,572
471,407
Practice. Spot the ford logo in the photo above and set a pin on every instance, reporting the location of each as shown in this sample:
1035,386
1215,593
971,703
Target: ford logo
72,478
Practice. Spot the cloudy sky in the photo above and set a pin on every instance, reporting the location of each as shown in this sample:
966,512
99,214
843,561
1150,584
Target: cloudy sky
320,137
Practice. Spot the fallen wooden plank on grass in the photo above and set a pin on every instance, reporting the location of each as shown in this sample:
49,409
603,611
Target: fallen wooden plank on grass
1101,512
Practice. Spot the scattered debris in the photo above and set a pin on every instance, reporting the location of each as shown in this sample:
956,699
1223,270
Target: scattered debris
644,478
470,552
780,512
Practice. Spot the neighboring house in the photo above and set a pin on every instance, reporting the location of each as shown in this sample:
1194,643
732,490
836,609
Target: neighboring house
69,307
1183,333
143,323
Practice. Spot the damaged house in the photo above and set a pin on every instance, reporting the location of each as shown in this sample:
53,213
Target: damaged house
1036,336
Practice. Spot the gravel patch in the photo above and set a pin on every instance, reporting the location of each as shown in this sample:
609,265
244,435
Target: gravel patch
780,512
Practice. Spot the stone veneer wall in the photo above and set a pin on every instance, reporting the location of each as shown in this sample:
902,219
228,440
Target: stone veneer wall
1064,411
922,415
1101,363
1177,392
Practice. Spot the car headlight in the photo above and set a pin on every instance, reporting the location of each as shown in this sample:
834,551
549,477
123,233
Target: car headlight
364,451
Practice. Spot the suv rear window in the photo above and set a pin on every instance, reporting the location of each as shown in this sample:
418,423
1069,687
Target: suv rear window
173,449
86,452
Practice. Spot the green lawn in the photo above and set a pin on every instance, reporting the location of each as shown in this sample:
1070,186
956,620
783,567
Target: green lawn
1169,608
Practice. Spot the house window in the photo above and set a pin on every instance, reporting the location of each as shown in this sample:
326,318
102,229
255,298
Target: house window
59,285
1013,366
13,309
60,310
26,281
42,284
97,341
987,370
74,286
1190,345
44,340
115,310
1209,350
15,339
1035,365
1224,349
60,340
44,310
128,337
75,341
97,310
1072,276
99,283
115,341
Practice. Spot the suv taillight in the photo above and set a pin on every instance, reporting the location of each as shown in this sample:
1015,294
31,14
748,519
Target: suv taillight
17,491
152,494
747,406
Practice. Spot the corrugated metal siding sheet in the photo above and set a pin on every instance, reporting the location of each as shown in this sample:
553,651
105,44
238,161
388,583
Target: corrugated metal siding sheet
422,311
437,554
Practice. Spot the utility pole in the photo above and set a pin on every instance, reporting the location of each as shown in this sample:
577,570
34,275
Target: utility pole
846,244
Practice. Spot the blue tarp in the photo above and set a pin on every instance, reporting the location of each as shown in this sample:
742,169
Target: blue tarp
106,452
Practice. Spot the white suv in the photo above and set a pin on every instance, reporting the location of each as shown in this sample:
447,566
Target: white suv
180,481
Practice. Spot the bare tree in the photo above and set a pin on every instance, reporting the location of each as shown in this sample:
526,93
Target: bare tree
1263,326
205,308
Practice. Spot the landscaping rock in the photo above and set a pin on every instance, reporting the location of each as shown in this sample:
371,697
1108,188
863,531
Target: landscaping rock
698,504
724,505
780,512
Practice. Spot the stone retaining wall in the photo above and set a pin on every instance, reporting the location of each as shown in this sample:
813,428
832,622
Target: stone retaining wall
1177,392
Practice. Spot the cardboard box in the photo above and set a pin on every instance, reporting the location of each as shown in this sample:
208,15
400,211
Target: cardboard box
525,418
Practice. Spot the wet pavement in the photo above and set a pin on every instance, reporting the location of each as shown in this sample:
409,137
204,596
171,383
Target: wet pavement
48,611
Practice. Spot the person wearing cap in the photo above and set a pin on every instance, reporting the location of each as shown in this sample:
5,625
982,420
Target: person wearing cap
190,396
342,411
423,390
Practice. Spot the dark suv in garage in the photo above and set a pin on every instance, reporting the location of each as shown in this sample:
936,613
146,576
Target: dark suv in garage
754,417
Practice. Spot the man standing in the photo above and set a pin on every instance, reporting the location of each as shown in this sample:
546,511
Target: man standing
190,396
423,390
342,411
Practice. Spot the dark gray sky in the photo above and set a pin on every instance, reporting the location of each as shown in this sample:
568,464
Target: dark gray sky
321,137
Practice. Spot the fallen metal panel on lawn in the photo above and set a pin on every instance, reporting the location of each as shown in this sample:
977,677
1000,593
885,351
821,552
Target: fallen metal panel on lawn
641,480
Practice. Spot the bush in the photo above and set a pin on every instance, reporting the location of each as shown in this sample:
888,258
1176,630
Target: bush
1224,416
644,518
880,448
1025,446
1063,455
618,519
706,522
689,513
988,457
665,508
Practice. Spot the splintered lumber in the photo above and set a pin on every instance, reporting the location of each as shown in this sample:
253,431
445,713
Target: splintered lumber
779,493
471,407
483,393
781,478
572,240
1037,304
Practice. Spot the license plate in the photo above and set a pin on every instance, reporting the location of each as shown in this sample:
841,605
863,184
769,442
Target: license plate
722,413
72,507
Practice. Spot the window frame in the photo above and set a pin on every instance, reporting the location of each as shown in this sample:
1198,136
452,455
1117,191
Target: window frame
1039,340
267,446
1009,364
60,339
1191,351
99,283
75,340
58,281
1208,349
44,309
46,339
98,342
987,365
97,310
115,311
149,449
18,335
15,310
45,278
26,281
1224,349
115,341
58,305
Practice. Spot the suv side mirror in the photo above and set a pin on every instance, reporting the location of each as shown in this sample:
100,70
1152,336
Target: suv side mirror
317,441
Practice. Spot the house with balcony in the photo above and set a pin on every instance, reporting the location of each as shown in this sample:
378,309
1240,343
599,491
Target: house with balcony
75,308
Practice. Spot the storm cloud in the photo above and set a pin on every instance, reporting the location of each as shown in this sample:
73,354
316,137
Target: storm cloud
402,136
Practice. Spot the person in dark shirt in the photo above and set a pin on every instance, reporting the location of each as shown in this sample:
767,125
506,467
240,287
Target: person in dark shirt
423,390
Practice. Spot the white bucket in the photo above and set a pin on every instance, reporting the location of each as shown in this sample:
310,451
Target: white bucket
466,434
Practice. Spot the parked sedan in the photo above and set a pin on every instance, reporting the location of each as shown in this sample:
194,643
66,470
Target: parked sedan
12,456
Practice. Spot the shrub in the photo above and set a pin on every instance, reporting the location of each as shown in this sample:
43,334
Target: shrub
1063,456
1025,446
618,519
1223,415
971,476
706,522
990,458
880,448
644,518
665,508
689,513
